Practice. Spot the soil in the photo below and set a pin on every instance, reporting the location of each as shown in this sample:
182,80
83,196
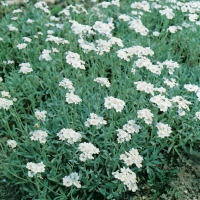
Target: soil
186,185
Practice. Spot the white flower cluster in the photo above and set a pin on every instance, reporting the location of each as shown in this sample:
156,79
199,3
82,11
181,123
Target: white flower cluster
45,55
43,6
168,12
86,46
39,135
144,5
117,104
144,86
40,115
5,94
145,114
57,40
67,84
25,68
160,89
129,128
101,46
197,115
95,120
146,62
132,157
21,46
170,82
27,39
35,168
80,29
74,60
171,65
161,101
182,104
12,28
128,177
164,130
16,11
70,135
87,149
138,26
193,17
174,29
105,4
12,143
72,98
72,179
124,17
191,87
76,9
102,81
4,102
8,62
127,53
103,28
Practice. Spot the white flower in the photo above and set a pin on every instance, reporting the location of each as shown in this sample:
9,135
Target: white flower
197,115
164,130
72,179
181,102
17,11
170,82
129,128
72,98
5,103
57,40
39,135
21,46
123,136
146,115
171,65
43,6
162,102
117,104
103,28
67,84
87,149
95,120
40,115
35,168
12,28
168,12
74,60
5,94
144,86
128,177
156,33
30,21
45,55
132,157
25,68
27,39
102,81
12,143
70,135
191,87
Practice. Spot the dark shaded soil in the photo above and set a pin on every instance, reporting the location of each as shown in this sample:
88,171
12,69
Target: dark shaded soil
186,185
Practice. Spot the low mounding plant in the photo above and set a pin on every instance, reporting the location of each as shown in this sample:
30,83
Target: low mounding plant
94,101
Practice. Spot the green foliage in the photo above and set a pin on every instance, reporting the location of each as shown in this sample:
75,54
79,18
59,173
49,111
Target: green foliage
40,90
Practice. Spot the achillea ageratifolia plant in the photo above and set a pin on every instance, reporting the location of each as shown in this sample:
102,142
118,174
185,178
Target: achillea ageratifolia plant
93,99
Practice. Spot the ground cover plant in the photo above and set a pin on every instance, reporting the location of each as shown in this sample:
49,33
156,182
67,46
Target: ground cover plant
97,97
